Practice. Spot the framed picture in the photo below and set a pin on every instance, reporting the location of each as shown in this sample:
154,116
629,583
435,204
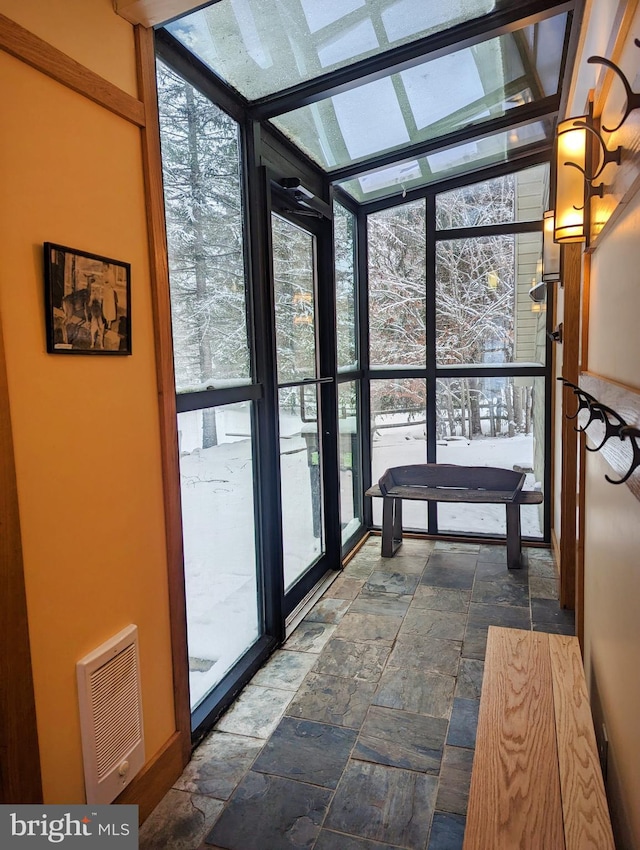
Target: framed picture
88,302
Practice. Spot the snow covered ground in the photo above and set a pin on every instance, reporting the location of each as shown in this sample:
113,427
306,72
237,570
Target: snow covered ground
219,528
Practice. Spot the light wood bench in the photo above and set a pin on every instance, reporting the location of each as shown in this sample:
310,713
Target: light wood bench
536,782
445,482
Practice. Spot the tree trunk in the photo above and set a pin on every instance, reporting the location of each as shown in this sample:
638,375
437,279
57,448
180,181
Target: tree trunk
209,429
474,407
509,401
517,407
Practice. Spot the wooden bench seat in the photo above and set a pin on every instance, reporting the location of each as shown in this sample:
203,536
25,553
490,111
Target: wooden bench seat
443,482
536,782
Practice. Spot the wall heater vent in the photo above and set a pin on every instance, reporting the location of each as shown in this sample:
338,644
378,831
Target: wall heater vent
111,716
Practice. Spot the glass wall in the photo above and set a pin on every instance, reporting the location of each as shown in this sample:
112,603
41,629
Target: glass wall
216,485
348,363
397,295
461,345
491,422
201,150
399,437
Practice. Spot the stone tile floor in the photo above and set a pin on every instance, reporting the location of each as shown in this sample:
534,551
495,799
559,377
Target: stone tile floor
359,733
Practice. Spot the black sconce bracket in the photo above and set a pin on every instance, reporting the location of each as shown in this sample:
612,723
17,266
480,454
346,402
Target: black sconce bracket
607,156
614,426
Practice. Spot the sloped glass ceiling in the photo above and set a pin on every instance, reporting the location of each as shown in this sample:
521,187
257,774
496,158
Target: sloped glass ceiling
264,46
448,162
431,103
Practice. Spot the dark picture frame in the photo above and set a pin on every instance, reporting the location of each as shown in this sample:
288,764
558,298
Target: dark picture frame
87,302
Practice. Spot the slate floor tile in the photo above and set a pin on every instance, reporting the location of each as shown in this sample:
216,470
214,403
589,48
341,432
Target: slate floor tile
271,812
383,582
439,575
484,614
328,840
418,652
218,764
442,599
543,588
554,628
404,563
452,546
549,611
469,681
384,804
493,553
310,637
327,611
501,592
416,547
381,604
285,669
328,699
352,660
474,644
401,739
497,571
455,779
463,724
445,625
416,691
447,832
256,712
361,566
306,751
179,821
368,627
344,587
453,560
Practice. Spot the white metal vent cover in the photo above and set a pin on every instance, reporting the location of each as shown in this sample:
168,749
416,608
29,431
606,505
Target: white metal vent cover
111,716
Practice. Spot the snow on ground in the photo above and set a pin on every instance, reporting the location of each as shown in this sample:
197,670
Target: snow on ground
407,445
219,531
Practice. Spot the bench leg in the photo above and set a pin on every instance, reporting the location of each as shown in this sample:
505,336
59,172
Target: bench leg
391,526
514,553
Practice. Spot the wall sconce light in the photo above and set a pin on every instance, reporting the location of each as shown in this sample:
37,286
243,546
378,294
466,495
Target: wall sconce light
575,177
550,249
571,147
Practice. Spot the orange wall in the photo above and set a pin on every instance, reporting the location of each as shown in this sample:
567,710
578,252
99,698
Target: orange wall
85,429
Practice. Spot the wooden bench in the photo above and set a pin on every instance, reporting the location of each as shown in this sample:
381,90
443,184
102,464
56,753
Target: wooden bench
444,482
536,782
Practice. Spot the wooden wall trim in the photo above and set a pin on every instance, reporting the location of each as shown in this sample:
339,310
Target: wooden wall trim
20,780
582,455
155,779
159,271
150,13
571,278
37,53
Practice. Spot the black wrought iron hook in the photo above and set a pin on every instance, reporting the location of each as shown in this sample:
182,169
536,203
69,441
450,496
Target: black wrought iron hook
633,434
611,429
633,98
585,401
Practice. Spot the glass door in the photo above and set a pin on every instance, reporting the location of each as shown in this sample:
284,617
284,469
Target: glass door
304,423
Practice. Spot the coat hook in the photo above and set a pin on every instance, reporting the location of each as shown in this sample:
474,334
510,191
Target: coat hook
611,428
633,434
556,335
633,98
